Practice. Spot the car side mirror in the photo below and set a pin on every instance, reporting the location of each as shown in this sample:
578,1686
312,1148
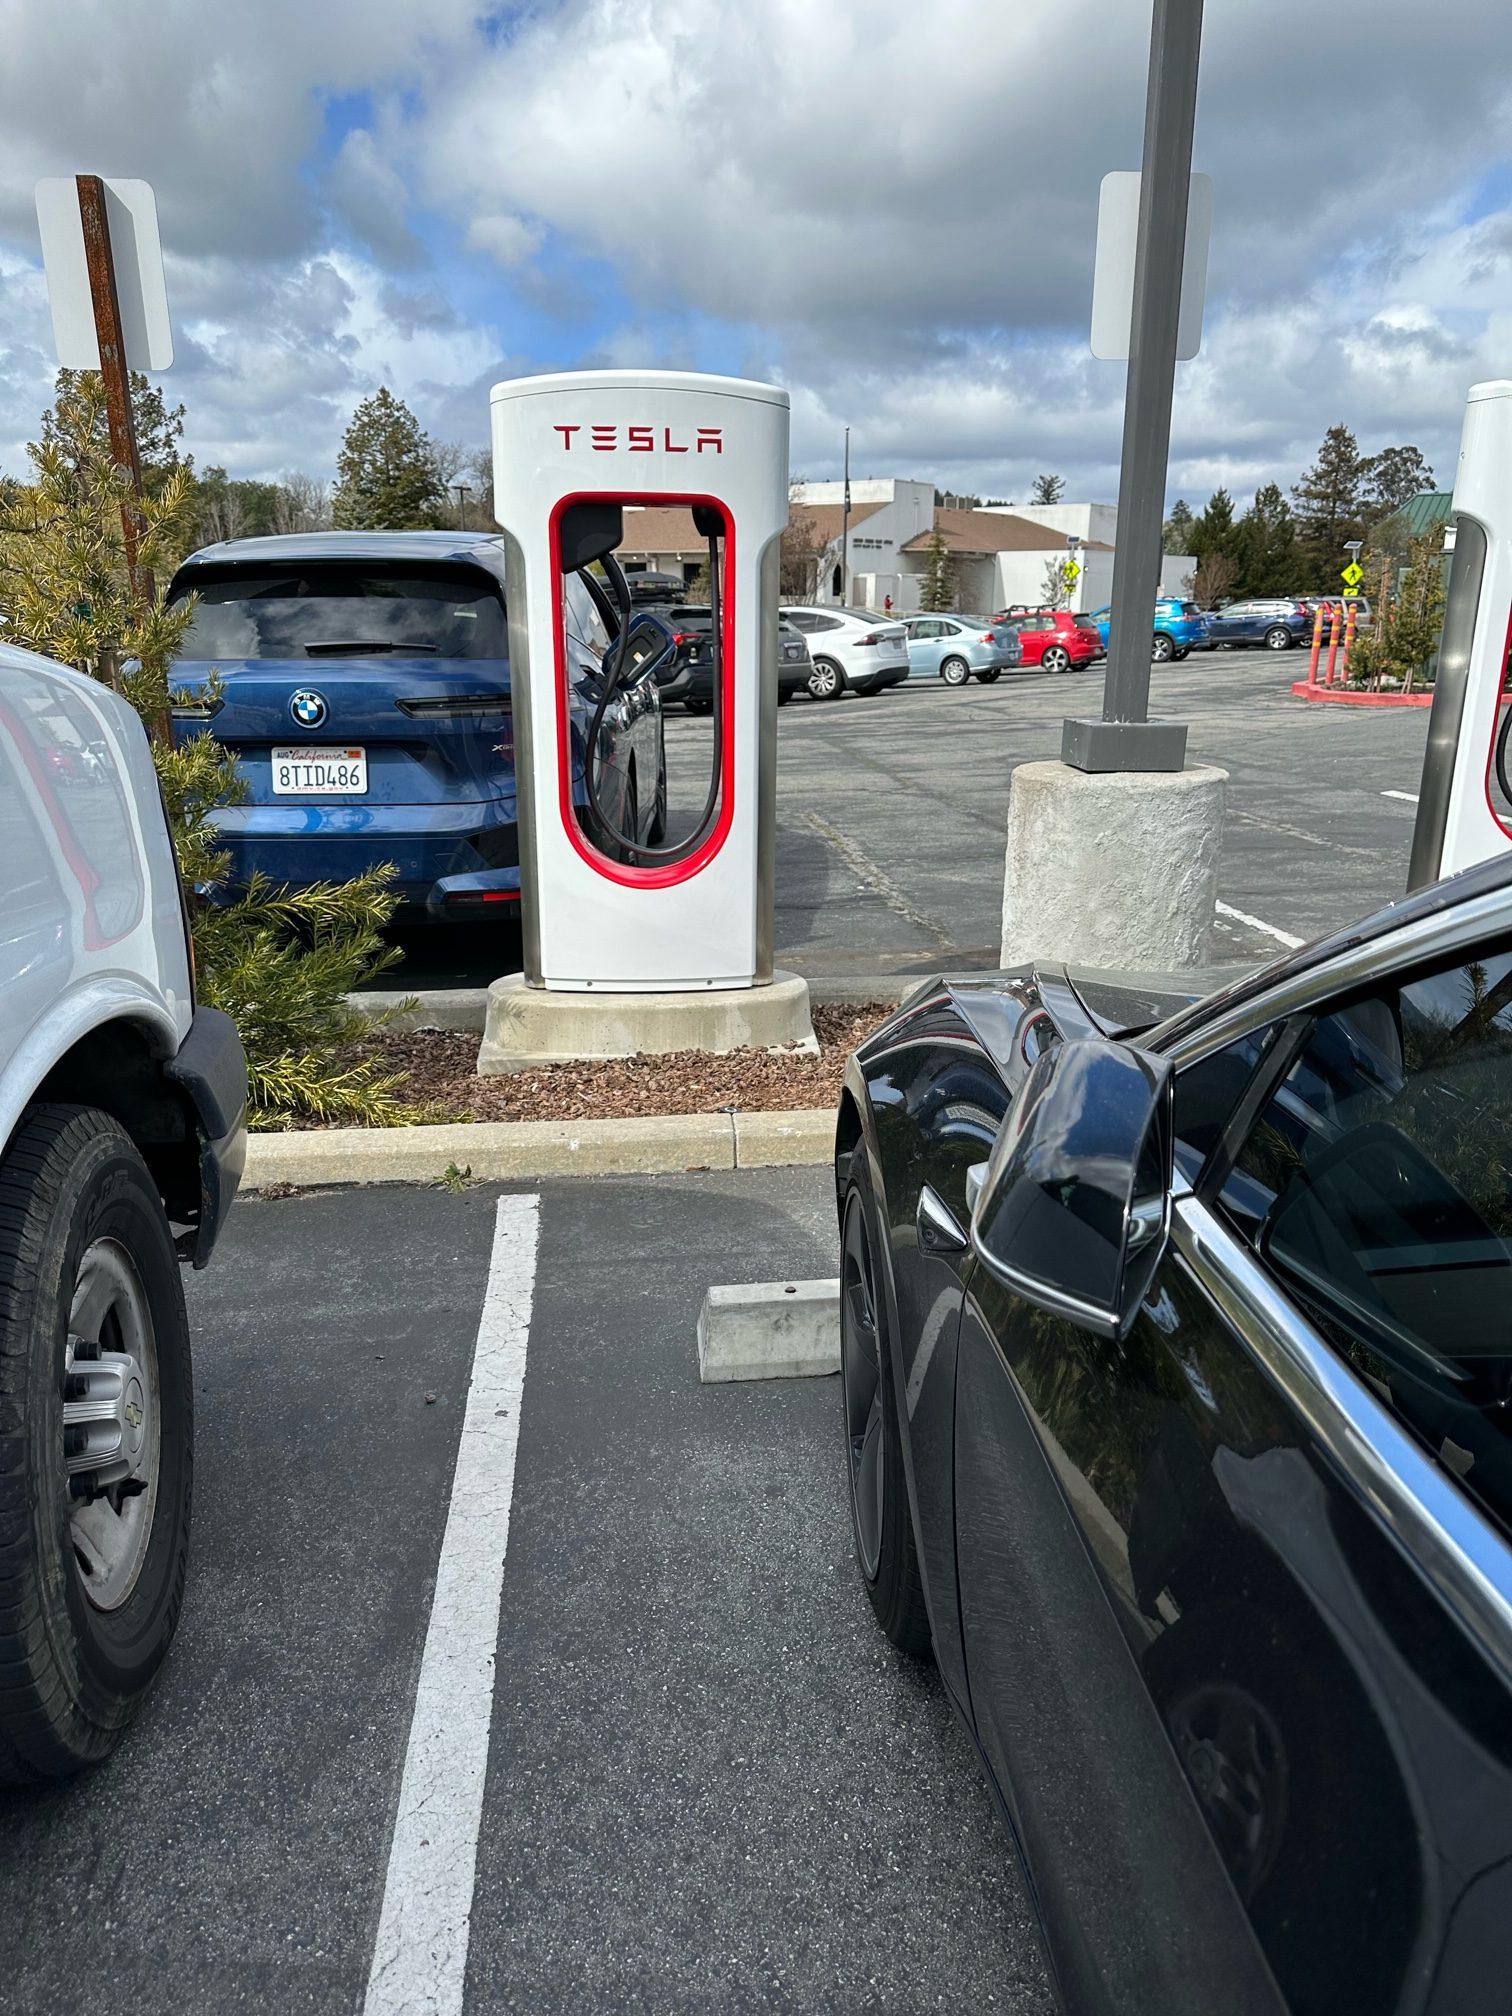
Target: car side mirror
1074,1206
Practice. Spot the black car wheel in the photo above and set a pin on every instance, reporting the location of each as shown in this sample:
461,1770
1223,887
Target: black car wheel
96,1440
880,1521
1057,659
697,704
989,678
1278,638
657,831
1163,649
955,671
826,681
1184,652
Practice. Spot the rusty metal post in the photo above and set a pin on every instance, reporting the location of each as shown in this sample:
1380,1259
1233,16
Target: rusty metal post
115,372
1349,638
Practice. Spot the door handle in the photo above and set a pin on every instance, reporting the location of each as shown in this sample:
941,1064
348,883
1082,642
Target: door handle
937,1226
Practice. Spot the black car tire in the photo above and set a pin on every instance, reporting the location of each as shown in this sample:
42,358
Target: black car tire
1164,648
1056,659
886,1554
954,671
1278,638
72,1674
1184,652
827,680
696,704
783,696
656,833
990,678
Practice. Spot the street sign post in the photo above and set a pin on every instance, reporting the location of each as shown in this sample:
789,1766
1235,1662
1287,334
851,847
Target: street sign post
104,265
1125,738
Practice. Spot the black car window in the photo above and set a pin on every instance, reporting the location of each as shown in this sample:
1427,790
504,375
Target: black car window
1377,1186
332,608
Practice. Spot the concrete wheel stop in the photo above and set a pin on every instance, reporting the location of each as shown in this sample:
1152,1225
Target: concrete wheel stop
769,1330
530,1026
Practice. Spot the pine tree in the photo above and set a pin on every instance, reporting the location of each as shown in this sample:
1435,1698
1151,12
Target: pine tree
1047,490
1329,508
159,428
281,962
1391,479
386,472
1177,534
938,591
1265,545
1213,531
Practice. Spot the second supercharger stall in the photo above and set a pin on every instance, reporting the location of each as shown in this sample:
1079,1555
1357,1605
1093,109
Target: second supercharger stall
587,449
1464,801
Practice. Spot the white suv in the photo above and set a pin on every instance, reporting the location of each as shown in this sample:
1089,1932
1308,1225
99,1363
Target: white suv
851,648
122,1138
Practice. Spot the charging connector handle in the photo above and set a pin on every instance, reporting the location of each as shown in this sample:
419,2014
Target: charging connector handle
638,854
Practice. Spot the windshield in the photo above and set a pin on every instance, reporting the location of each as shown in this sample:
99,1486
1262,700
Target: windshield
336,608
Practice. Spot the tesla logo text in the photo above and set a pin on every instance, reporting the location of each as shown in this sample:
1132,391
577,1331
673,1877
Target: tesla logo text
606,440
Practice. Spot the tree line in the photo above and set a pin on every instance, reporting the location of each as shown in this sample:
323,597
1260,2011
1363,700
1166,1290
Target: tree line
390,474
1284,546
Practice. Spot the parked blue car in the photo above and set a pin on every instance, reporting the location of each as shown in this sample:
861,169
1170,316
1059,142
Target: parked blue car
957,648
361,679
1179,627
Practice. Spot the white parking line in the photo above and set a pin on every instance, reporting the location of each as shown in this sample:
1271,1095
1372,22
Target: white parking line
1259,924
1407,797
420,1955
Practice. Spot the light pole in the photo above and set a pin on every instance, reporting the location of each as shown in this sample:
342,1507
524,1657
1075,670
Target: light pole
462,491
1126,738
845,529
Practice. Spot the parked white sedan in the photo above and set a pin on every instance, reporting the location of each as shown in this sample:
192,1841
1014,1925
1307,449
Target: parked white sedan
852,649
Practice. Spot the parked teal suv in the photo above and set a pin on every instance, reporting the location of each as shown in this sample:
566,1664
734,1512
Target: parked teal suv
1179,627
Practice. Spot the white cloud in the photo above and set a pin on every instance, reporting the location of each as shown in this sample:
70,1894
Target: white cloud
507,239
891,211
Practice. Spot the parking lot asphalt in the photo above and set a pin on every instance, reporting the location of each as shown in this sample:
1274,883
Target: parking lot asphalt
709,1781
891,815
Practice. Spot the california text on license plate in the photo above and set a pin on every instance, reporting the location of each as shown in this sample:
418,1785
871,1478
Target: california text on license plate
320,773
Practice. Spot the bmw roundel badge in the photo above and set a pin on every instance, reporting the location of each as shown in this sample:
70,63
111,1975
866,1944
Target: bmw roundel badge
308,707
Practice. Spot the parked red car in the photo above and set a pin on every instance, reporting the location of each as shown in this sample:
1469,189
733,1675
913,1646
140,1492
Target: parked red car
1054,638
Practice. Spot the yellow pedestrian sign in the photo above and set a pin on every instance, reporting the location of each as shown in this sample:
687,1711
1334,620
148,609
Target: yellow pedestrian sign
1070,573
1353,574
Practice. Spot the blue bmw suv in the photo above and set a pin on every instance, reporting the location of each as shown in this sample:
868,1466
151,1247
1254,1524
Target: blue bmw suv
361,679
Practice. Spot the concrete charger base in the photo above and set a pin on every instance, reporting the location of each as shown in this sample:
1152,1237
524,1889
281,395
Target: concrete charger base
530,1026
1112,868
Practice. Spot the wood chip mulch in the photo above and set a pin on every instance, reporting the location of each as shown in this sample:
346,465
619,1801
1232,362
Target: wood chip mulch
442,1076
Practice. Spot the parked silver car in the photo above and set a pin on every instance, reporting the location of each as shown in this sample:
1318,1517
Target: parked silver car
957,648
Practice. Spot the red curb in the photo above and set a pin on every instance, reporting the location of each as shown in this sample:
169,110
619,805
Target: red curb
1336,696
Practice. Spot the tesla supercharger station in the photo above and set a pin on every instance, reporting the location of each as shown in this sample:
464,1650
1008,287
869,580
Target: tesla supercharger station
1464,807
575,453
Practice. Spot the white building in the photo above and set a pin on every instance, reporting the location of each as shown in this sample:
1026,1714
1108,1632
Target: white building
1002,554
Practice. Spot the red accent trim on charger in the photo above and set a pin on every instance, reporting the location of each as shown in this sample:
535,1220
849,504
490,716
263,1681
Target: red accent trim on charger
668,874
1501,701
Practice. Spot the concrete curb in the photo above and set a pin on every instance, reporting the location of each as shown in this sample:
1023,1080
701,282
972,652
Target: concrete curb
466,1008
1337,696
522,1150
769,1330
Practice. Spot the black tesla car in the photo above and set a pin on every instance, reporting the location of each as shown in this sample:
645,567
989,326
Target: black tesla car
1177,1378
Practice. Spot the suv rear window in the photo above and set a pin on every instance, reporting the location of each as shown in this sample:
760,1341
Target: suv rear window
343,608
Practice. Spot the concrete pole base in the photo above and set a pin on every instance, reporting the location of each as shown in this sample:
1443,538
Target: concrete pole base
1112,868
531,1026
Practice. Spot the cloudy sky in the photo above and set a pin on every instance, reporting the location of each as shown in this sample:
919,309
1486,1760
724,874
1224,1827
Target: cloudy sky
888,207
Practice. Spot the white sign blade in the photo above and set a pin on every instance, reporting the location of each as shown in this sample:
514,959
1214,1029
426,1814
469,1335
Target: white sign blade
1113,275
131,209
